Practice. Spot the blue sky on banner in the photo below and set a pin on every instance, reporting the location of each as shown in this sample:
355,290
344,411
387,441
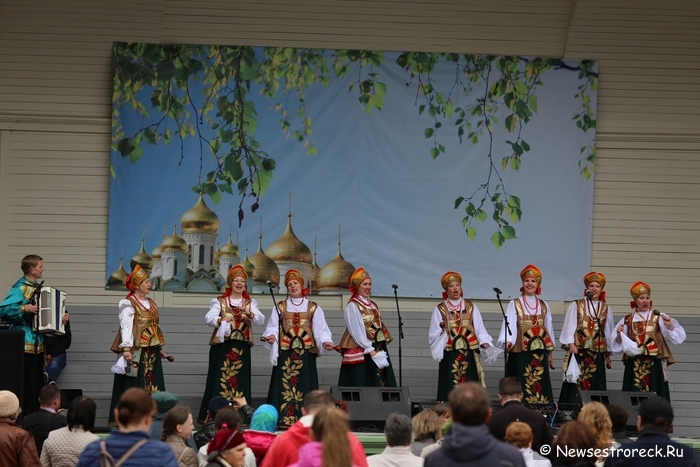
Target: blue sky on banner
374,176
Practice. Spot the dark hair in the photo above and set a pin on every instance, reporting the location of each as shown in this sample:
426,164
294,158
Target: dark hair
398,430
318,399
48,394
228,416
470,404
577,435
176,416
618,417
134,405
442,409
509,386
81,413
29,262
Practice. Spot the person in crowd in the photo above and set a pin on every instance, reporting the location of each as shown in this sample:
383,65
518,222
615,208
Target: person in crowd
529,339
130,444
398,432
442,409
261,434
510,395
455,336
596,416
364,344
305,335
47,418
654,419
17,447
164,401
618,418
437,444
427,429
642,336
226,418
63,446
177,429
285,449
329,445
468,441
519,434
19,310
574,445
205,434
586,334
227,449
139,341
232,316
55,349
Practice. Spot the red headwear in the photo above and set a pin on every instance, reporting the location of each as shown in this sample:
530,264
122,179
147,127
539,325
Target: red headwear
638,289
448,278
224,440
598,277
534,271
356,279
136,278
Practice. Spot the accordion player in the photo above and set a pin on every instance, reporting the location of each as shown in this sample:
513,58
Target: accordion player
51,308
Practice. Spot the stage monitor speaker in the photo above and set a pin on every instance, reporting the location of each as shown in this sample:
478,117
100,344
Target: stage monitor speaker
369,407
12,362
628,400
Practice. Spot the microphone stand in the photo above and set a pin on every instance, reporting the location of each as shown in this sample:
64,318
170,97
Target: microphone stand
507,334
398,311
35,301
279,324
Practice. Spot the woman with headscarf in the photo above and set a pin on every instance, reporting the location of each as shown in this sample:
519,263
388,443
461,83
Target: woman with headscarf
305,335
528,340
232,316
586,334
642,336
261,434
456,333
227,449
366,359
139,341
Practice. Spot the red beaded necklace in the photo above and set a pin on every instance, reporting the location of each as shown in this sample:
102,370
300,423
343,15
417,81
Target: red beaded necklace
529,310
291,299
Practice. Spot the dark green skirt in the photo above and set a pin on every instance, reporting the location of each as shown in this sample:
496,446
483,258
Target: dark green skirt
228,375
149,377
292,378
456,366
367,373
531,369
645,374
592,366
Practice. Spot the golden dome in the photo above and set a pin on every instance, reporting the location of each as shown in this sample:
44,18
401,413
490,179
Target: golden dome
289,248
116,280
248,266
155,254
334,275
265,268
217,254
174,242
199,219
142,258
230,248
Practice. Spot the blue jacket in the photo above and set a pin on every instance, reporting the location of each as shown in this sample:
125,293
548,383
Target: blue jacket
151,454
466,446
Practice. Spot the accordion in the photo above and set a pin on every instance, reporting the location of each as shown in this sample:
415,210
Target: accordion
50,311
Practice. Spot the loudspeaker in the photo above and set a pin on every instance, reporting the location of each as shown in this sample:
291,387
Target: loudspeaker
12,362
369,407
628,400
556,414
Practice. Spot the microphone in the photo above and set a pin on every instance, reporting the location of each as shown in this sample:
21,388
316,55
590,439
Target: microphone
270,284
497,290
394,286
589,294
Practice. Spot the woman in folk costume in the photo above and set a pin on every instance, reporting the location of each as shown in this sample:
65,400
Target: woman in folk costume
530,343
456,333
139,341
232,316
305,335
366,359
587,333
642,336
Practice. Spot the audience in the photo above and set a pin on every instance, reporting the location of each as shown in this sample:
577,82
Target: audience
442,410
177,428
47,418
227,417
227,449
437,444
63,446
618,418
595,415
17,448
468,441
329,445
207,432
654,418
398,432
427,429
575,438
285,450
510,394
164,401
261,434
519,434
130,444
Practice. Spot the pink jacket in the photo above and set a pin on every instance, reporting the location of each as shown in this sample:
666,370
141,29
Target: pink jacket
311,455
